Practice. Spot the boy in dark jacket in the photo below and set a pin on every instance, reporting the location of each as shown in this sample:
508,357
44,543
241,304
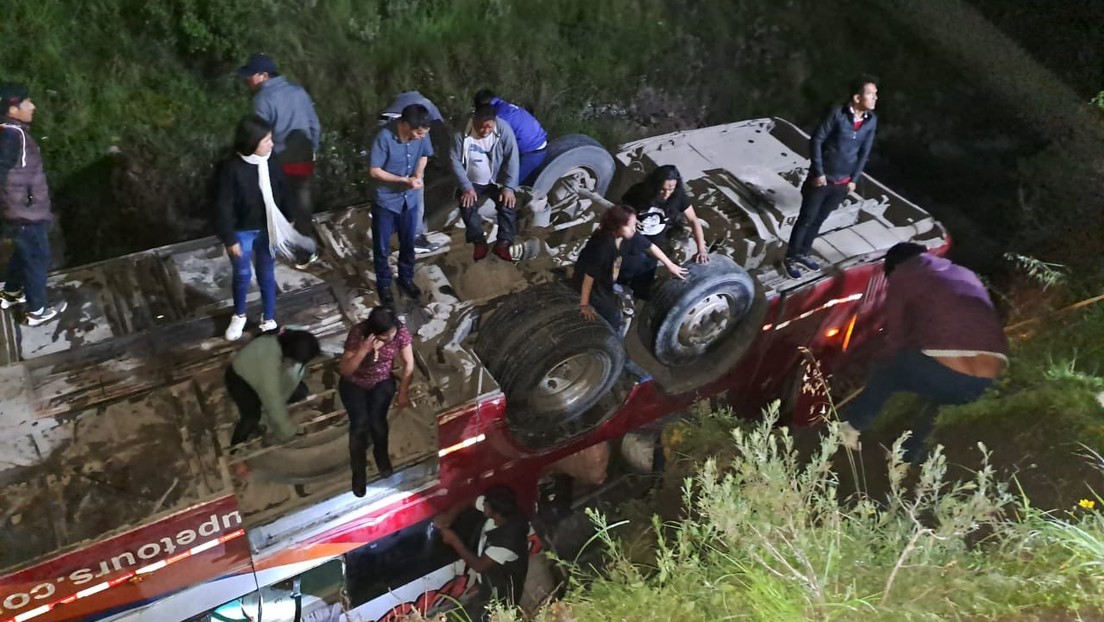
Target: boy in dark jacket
838,151
25,204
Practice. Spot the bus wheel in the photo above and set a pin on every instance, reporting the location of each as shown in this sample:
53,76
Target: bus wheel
552,364
572,163
688,317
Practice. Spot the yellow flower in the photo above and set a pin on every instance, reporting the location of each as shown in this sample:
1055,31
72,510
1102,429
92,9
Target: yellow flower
1087,504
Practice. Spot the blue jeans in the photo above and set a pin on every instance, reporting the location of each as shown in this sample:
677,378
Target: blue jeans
816,204
911,371
473,223
30,261
384,223
527,163
255,250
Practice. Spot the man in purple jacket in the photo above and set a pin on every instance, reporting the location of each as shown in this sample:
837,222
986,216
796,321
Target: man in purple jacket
25,206
944,339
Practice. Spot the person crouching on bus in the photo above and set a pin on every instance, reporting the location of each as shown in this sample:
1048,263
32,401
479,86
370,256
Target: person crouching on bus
367,388
501,559
599,265
661,203
267,375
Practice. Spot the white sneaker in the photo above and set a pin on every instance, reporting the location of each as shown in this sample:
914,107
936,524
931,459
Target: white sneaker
45,314
236,327
268,326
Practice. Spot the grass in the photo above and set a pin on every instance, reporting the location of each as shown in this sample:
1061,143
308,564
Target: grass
762,534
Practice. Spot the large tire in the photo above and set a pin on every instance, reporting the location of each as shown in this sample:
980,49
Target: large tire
553,365
687,318
574,156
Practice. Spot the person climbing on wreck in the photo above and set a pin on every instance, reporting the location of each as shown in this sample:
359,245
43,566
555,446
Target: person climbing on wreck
599,267
367,387
252,219
267,375
661,205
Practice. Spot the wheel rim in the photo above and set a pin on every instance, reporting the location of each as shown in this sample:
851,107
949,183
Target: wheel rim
706,322
565,191
576,379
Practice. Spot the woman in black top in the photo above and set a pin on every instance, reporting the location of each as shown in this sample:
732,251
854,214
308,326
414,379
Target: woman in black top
660,202
251,219
599,263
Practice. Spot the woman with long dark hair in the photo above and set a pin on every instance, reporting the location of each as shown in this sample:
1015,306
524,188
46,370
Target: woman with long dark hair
661,203
367,387
599,263
251,218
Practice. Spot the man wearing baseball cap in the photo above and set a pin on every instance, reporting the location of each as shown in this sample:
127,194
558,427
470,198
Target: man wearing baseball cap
296,134
25,208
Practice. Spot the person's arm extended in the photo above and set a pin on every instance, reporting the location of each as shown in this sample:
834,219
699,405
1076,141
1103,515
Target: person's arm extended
676,270
419,171
478,564
378,158
699,234
406,375
268,376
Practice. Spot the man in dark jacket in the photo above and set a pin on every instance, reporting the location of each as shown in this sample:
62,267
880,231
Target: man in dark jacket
838,151
25,203
485,163
944,339
296,135
501,559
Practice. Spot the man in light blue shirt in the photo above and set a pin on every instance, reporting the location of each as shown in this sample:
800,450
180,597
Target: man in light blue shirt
397,163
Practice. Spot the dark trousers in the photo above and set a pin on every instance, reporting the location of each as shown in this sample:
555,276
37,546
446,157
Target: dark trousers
607,304
249,404
507,218
911,371
816,204
303,218
528,163
384,223
30,261
367,410
638,271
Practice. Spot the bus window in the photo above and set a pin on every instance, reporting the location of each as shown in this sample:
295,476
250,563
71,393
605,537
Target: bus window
405,556
319,599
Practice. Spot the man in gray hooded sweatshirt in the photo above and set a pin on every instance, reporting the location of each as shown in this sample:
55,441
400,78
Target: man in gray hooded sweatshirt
485,163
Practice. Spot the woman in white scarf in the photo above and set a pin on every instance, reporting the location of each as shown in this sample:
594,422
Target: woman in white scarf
250,221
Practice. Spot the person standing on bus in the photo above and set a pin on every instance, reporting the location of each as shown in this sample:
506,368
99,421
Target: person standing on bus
267,375
661,203
367,387
944,341
397,163
598,268
251,212
501,559
485,163
532,140
838,151
438,135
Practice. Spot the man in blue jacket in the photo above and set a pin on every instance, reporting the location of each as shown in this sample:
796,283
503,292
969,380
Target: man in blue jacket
532,140
296,134
838,151
485,163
